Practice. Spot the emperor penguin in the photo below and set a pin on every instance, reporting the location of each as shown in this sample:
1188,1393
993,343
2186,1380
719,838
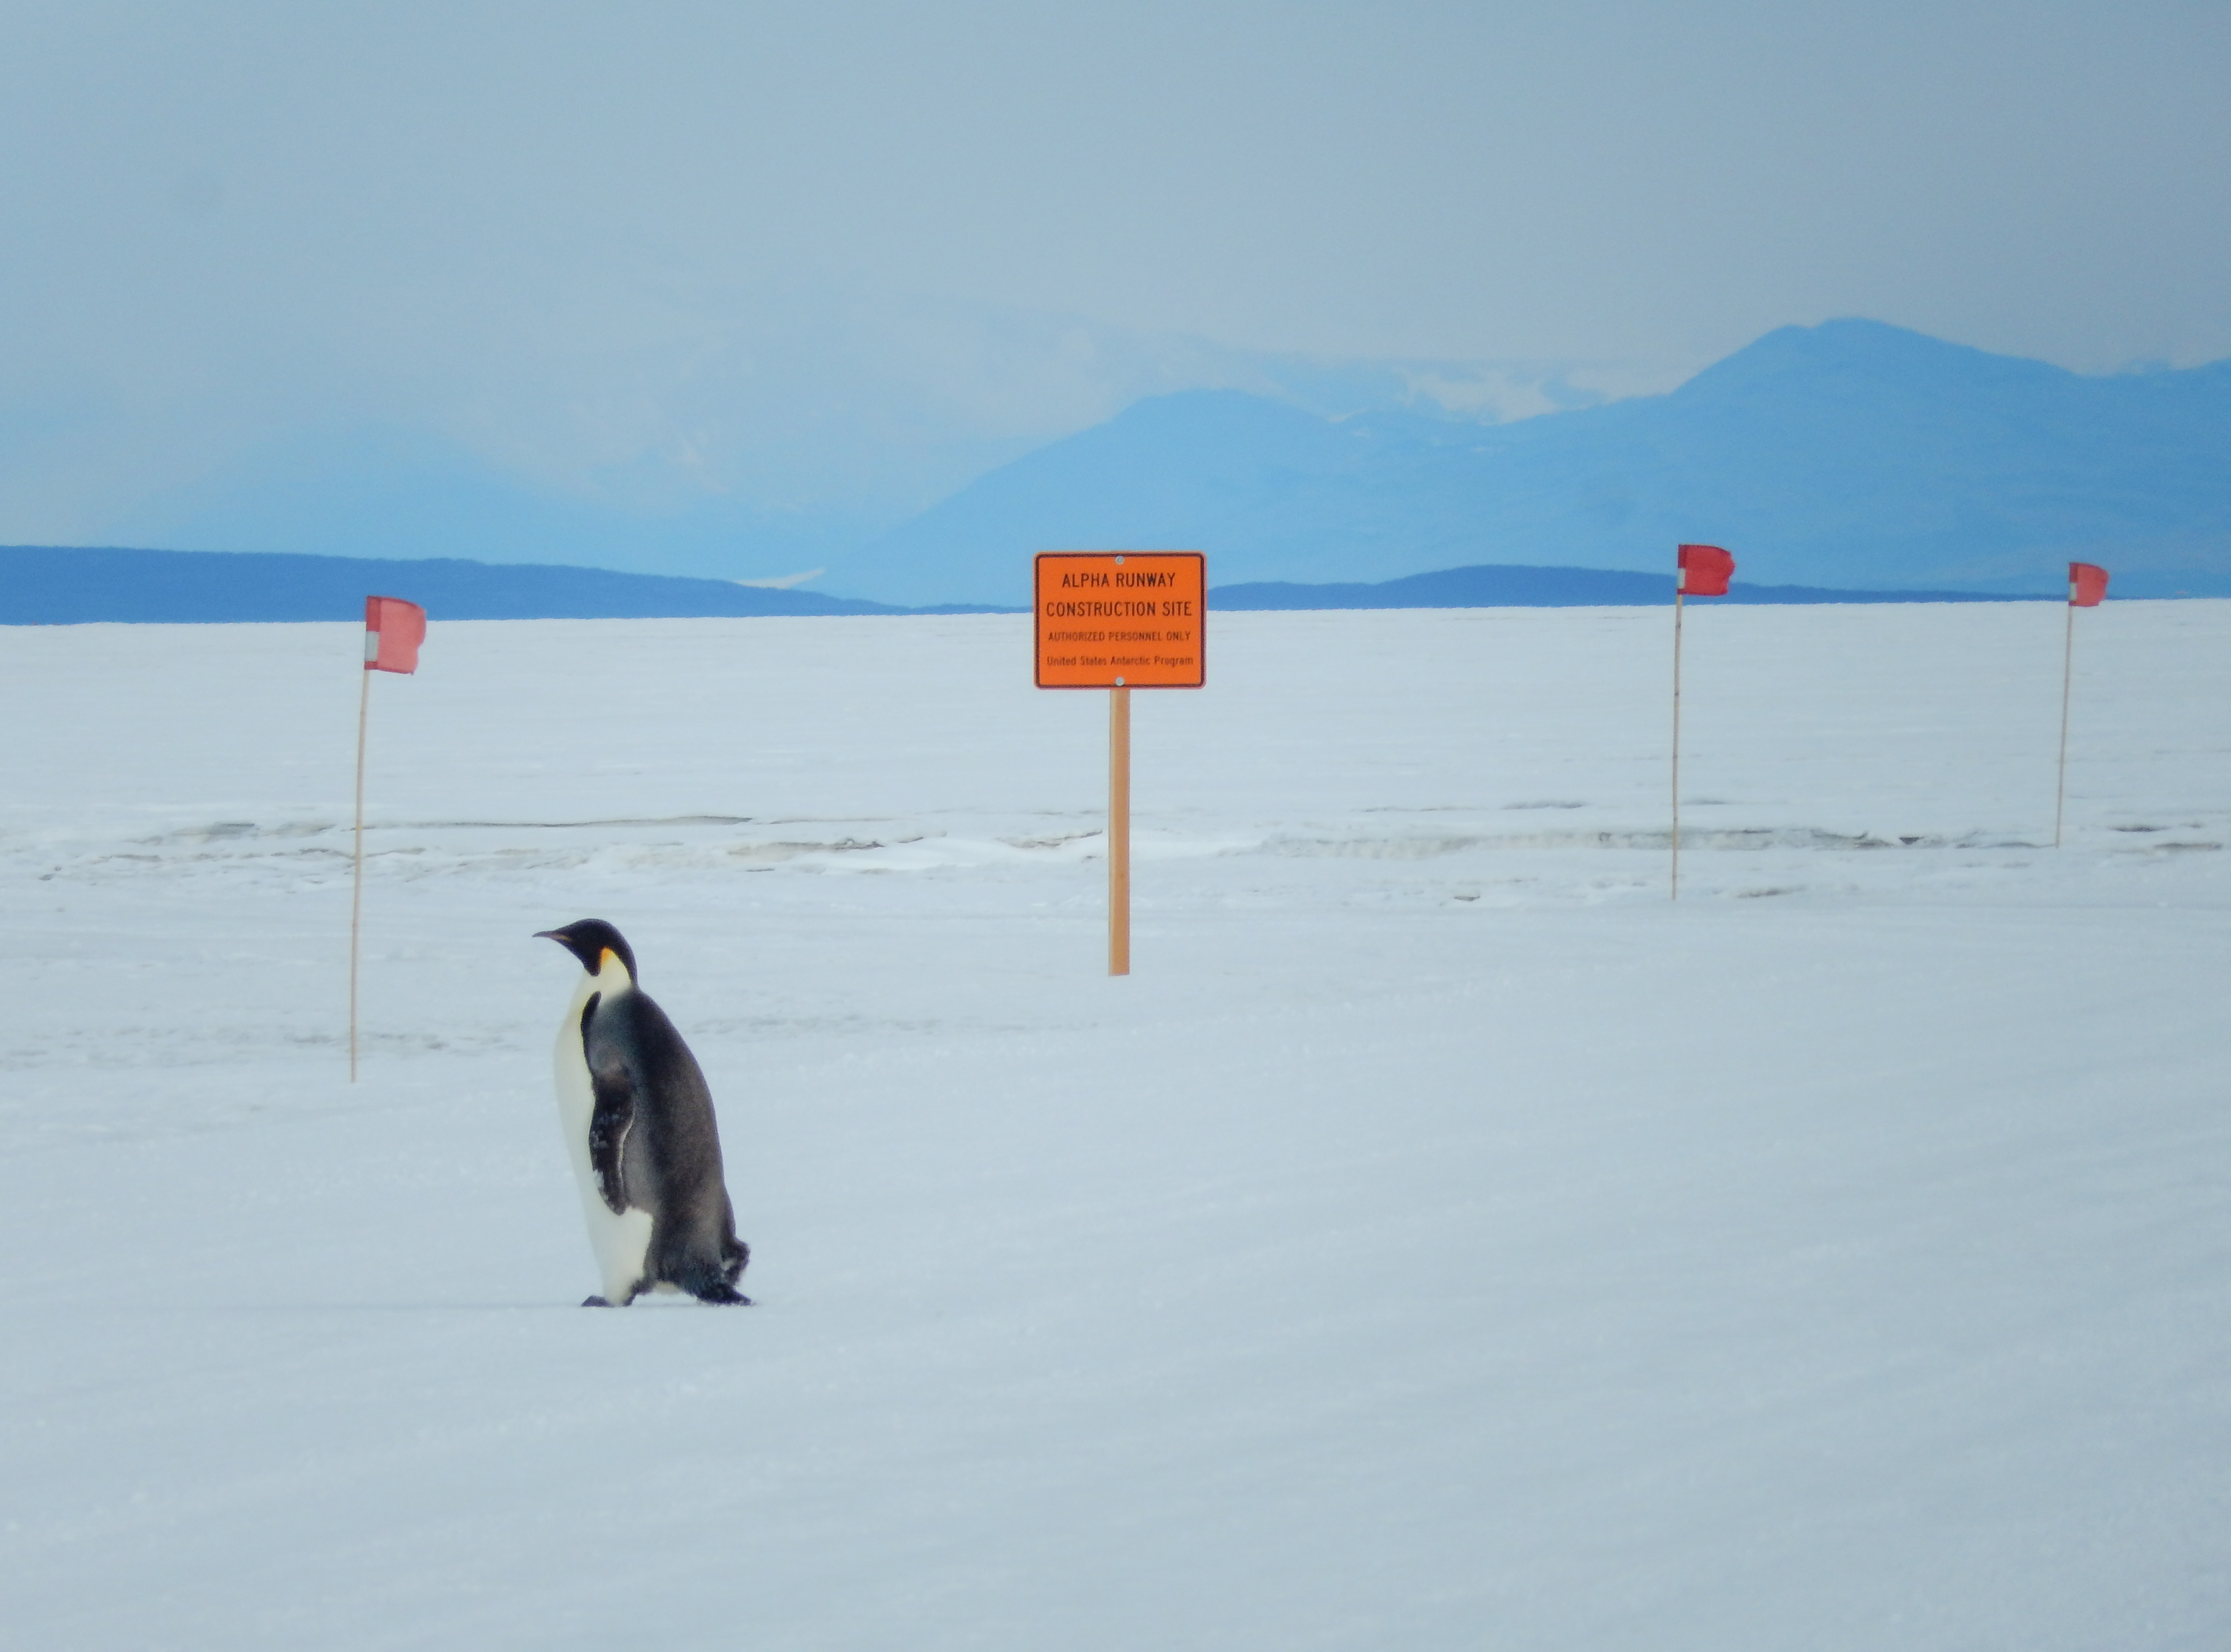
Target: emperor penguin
638,1122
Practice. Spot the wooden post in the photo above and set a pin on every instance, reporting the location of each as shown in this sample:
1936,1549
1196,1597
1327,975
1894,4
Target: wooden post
356,897
1119,831
1679,581
2067,673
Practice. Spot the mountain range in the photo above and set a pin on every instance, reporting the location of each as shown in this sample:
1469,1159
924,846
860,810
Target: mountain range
65,586
1847,457
1515,585
68,585
1852,455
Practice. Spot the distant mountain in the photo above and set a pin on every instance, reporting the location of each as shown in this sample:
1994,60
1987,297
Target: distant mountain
1850,455
377,490
60,585
50,586
1517,587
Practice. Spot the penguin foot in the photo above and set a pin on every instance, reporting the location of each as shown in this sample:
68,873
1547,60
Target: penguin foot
726,1296
596,1302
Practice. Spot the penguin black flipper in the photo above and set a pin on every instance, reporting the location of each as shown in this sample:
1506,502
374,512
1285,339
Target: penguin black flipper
611,1125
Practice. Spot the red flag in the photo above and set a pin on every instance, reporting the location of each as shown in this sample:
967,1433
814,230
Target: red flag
392,630
1705,571
2087,585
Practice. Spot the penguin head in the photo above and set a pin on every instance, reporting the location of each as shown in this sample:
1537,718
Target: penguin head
592,941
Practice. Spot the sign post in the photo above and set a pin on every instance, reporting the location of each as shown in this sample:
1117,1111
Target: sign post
392,630
1119,830
2087,584
1699,571
1120,620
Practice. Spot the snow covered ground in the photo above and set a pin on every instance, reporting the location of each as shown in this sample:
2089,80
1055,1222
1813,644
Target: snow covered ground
1439,1241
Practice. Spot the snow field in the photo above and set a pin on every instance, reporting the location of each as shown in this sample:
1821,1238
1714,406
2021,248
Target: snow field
1440,1240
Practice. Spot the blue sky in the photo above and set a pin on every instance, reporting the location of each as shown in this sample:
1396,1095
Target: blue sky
720,286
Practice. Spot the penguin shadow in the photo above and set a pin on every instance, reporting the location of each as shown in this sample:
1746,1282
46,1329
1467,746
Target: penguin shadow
663,1302
733,1298
330,1306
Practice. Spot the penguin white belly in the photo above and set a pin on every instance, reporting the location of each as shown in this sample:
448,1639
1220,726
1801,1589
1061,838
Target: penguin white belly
621,1242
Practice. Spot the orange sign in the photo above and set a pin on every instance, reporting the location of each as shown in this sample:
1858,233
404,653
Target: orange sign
1120,619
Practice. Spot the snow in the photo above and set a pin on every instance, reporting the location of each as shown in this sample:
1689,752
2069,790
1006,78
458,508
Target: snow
1440,1240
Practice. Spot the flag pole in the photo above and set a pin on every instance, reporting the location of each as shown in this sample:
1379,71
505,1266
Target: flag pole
356,897
1119,831
2067,674
1680,579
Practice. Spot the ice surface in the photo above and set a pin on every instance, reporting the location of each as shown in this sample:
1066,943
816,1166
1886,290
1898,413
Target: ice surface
1439,1241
